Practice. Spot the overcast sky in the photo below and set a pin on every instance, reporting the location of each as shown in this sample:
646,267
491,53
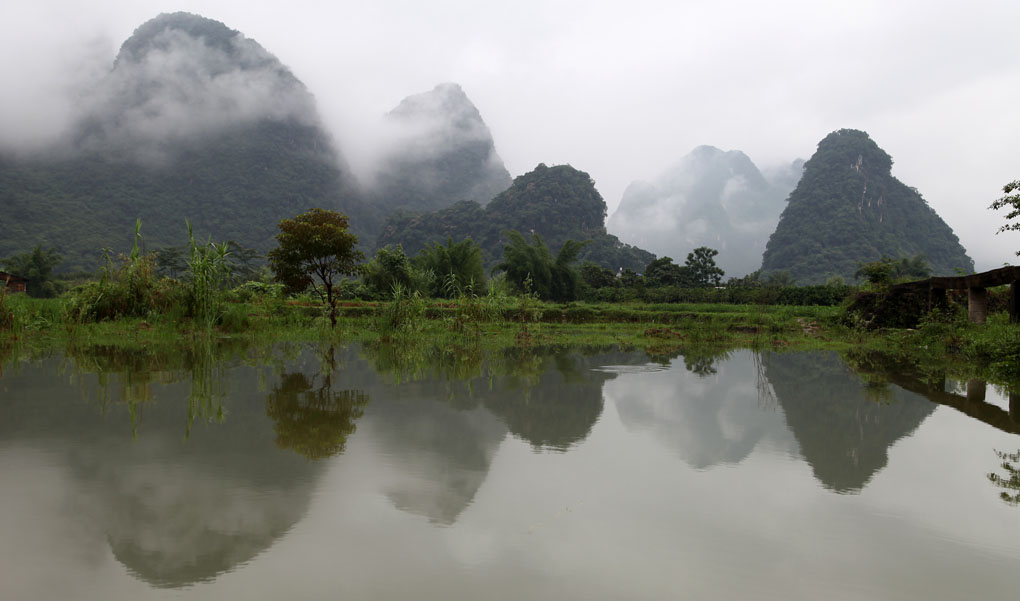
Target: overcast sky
621,90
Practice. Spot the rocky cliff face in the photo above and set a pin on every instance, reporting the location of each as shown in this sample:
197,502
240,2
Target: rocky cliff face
848,209
712,198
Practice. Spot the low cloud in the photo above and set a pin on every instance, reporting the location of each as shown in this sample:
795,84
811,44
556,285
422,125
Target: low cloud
182,87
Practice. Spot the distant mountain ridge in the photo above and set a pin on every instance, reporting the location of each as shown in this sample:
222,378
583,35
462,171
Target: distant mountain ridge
557,203
712,198
848,209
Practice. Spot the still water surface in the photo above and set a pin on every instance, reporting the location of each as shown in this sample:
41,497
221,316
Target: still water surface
301,472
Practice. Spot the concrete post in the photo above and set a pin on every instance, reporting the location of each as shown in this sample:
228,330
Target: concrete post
977,304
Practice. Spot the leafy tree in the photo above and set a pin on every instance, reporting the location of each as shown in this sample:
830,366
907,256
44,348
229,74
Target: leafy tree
912,268
314,421
455,266
596,276
170,261
631,279
244,262
390,268
886,271
664,272
703,270
1010,482
1011,200
877,273
751,280
533,266
315,249
37,267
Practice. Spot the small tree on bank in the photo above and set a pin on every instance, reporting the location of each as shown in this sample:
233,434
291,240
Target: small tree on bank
1011,200
315,249
703,270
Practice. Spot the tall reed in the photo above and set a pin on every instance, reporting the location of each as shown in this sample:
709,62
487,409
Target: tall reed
209,275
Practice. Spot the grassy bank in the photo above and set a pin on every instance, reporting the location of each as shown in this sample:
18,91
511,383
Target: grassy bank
492,321
943,344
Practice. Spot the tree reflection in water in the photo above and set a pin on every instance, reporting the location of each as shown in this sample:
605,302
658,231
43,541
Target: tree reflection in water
310,417
1010,483
173,510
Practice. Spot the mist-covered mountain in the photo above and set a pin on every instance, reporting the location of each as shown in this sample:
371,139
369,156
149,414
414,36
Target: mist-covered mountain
557,203
712,198
193,121
440,151
848,209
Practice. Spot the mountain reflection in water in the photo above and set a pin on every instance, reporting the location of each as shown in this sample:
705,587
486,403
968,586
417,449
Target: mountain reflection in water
184,468
175,509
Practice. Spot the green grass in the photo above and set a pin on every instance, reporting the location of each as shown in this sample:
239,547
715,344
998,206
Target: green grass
949,344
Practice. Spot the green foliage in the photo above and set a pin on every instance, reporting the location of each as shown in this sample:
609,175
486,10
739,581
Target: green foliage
595,276
751,280
208,275
912,268
780,279
234,184
170,261
130,289
37,267
404,316
391,267
886,271
1010,483
134,288
848,209
664,272
315,249
877,273
456,267
557,203
256,291
822,295
1010,200
244,263
532,268
312,416
703,270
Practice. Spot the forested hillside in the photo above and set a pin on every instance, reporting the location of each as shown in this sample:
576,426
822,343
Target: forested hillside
848,209
558,203
194,121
